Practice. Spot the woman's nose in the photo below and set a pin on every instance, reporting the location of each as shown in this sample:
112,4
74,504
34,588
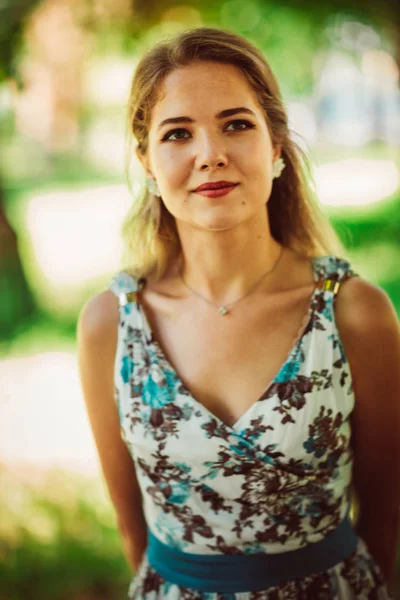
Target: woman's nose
211,153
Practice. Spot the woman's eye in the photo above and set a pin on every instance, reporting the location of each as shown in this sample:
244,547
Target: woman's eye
178,133
183,134
241,124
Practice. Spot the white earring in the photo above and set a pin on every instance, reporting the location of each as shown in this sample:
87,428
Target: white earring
277,167
152,186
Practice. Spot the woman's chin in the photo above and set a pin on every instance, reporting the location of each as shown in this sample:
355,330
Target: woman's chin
215,220
218,222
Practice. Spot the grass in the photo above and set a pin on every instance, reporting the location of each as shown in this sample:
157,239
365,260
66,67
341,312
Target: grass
58,539
40,333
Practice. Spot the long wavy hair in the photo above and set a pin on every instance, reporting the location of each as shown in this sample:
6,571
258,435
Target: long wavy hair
150,235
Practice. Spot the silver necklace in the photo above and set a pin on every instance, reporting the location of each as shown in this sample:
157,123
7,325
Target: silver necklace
223,308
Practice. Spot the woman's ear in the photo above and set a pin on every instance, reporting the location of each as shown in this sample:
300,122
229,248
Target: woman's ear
277,152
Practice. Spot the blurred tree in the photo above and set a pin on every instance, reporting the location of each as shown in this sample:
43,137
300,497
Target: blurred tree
384,15
13,14
16,301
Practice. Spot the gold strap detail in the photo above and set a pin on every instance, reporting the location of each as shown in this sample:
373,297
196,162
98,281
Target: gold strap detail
126,297
330,285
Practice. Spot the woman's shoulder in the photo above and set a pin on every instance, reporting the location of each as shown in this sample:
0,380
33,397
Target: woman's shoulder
369,330
358,300
362,305
98,319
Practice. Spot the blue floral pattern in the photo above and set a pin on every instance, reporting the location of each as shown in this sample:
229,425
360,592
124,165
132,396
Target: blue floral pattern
276,480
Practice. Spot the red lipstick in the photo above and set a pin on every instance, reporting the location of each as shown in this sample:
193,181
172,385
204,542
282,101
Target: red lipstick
215,189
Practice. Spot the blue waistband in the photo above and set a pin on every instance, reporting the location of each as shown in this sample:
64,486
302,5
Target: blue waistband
249,572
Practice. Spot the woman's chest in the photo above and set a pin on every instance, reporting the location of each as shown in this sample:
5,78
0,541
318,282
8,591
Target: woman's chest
228,362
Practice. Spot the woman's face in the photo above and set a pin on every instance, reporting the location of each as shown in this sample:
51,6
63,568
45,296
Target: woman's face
207,126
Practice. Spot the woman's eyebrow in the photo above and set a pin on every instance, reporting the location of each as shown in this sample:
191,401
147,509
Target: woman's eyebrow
221,115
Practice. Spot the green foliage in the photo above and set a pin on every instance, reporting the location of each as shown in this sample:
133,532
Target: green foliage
59,540
13,15
17,304
372,239
282,33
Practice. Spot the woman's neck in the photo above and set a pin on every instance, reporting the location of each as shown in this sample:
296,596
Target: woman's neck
225,265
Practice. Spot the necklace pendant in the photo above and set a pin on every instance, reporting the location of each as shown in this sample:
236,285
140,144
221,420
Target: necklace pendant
222,310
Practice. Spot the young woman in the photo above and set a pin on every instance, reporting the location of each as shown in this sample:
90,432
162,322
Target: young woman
241,381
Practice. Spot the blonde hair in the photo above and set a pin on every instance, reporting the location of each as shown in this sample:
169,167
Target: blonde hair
151,239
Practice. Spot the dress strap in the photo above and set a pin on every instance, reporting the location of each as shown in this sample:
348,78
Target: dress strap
331,271
126,287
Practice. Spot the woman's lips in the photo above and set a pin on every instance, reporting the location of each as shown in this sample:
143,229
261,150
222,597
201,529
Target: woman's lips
222,191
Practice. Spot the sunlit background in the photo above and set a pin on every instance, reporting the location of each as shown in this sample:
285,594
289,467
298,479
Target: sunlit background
65,71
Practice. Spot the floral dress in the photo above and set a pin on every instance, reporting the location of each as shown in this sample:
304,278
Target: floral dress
277,479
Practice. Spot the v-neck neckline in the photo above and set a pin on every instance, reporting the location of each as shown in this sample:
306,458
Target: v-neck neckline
308,317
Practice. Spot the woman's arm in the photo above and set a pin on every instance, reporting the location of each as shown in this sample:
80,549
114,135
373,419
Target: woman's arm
370,332
97,340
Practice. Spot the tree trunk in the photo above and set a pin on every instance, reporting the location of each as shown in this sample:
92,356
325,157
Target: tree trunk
17,304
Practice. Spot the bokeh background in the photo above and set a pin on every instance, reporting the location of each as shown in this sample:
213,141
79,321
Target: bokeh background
65,71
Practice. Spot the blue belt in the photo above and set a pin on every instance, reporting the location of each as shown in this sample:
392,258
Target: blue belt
249,572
